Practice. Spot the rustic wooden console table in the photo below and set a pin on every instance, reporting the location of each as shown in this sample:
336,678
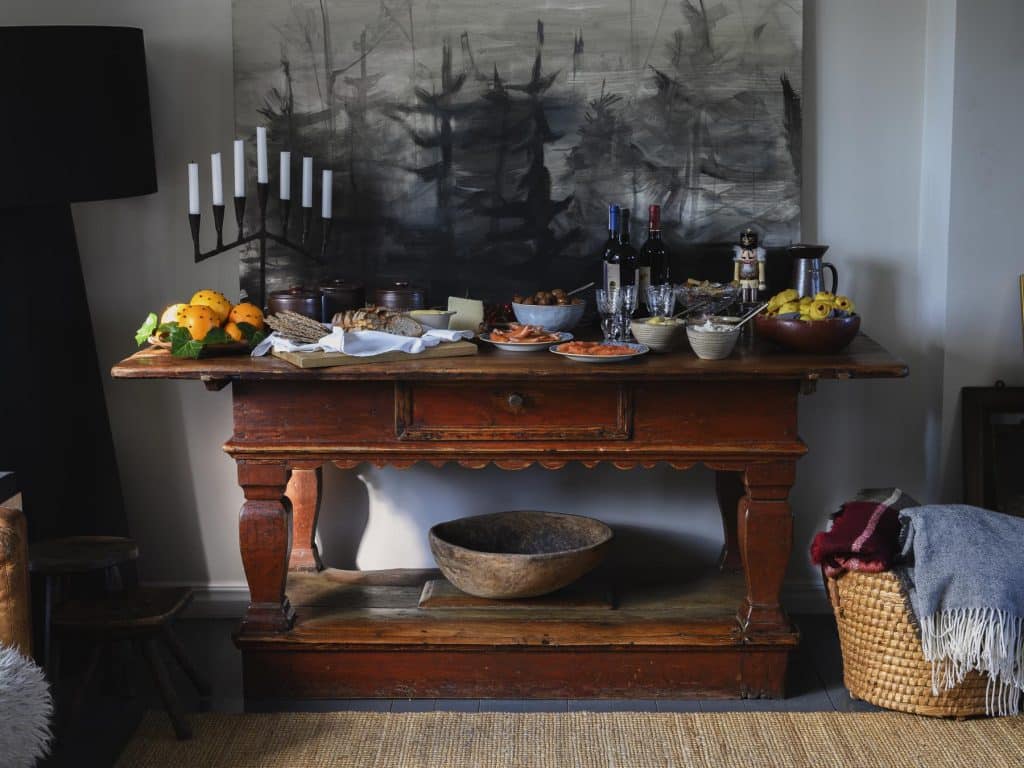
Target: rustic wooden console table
314,633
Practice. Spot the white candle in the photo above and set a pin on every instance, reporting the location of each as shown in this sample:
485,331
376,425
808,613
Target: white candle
193,188
307,182
325,207
217,178
239,168
286,175
262,175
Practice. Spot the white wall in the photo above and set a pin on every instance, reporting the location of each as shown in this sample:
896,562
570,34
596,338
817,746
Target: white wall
983,315
865,111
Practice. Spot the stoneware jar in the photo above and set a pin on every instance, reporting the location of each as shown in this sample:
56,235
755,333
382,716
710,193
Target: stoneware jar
401,297
295,299
338,295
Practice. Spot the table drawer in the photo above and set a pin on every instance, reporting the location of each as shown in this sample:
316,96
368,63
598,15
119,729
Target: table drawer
513,411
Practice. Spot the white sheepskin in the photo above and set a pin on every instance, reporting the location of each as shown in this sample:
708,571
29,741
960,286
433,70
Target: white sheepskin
25,710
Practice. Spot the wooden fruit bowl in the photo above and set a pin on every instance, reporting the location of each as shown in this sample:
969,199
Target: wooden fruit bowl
819,337
518,554
212,350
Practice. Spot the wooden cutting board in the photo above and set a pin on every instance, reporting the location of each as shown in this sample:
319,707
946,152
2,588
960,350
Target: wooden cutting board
331,359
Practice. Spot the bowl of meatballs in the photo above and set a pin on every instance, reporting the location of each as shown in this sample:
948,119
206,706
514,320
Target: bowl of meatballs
553,310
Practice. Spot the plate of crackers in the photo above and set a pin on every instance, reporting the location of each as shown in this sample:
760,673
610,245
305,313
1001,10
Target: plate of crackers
599,351
519,337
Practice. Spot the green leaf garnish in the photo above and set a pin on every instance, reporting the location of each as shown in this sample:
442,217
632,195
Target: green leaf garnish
146,329
183,345
217,336
251,334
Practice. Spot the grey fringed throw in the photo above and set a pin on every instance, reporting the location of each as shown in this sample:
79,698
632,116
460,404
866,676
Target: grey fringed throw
965,581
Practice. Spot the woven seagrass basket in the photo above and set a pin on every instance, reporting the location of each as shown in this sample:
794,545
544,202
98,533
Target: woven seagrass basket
883,662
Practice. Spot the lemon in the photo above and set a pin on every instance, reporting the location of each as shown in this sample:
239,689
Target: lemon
787,296
172,314
789,308
216,301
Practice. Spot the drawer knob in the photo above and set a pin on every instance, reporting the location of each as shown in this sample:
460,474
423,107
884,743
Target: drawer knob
515,401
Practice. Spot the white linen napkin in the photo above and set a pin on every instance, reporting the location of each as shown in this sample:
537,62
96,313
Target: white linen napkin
362,343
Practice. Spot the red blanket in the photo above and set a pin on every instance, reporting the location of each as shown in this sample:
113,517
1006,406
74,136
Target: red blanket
864,535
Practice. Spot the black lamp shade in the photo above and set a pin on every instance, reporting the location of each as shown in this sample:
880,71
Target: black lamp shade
77,125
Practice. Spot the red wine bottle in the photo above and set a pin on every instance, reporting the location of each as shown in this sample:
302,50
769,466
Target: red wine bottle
653,252
625,254
609,258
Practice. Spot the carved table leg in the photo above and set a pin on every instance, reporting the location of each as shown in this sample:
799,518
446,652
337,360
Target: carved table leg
729,489
766,537
265,539
305,491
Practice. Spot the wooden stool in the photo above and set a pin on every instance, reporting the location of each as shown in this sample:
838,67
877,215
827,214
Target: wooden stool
140,615
56,559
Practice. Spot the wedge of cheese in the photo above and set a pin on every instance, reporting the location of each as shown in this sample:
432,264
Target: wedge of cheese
469,314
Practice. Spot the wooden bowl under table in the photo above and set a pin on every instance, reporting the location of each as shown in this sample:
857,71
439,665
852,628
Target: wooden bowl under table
518,554
820,337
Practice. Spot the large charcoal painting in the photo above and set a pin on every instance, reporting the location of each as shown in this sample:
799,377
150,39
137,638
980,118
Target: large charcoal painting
476,144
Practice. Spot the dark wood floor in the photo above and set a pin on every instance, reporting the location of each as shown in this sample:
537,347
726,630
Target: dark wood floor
109,716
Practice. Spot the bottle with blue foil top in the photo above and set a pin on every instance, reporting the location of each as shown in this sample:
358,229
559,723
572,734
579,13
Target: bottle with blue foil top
611,276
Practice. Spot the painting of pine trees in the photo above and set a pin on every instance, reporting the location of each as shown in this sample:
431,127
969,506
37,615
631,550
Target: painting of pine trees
476,145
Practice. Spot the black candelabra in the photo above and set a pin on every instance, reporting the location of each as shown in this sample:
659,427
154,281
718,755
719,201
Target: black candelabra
261,234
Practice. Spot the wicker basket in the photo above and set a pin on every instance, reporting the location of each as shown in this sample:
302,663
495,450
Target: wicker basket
883,662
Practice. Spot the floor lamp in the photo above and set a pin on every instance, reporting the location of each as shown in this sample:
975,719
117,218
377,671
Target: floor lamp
76,128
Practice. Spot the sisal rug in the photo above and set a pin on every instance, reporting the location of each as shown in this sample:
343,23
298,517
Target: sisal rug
624,740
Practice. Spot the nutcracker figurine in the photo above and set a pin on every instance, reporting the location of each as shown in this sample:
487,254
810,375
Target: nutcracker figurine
748,269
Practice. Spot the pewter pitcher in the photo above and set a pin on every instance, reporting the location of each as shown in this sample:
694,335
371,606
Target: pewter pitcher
808,268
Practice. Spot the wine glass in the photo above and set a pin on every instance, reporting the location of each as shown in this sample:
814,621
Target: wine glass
629,302
609,304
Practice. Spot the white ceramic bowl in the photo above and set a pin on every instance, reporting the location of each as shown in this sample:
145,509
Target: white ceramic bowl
712,345
660,338
429,318
551,318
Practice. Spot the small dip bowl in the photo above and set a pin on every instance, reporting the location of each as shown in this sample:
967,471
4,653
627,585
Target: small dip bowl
711,340
432,318
518,554
660,337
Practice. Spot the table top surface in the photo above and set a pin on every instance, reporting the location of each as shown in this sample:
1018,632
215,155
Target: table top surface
863,359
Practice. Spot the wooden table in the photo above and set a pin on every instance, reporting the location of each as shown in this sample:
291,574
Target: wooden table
321,633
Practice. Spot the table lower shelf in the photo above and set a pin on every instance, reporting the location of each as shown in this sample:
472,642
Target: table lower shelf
363,635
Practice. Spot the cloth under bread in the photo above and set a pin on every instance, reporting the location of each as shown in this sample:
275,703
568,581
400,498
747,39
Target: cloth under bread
362,343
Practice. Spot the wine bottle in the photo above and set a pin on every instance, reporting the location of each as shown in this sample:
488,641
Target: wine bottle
653,251
643,271
625,253
609,257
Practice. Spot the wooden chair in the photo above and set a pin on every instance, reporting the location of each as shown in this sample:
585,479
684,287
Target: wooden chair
56,560
141,616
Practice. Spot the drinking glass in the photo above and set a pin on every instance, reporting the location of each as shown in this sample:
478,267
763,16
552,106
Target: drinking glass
609,304
661,300
629,302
